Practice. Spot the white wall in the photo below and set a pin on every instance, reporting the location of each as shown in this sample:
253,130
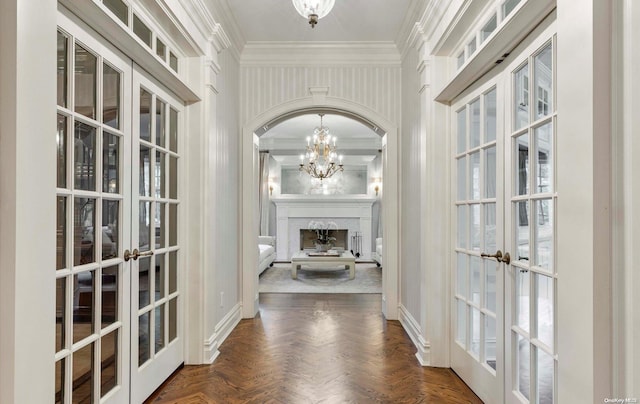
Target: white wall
27,210
626,191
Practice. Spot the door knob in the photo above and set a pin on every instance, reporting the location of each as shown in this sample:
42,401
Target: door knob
135,254
506,258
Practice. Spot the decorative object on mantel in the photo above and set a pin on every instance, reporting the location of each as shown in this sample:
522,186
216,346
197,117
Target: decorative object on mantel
313,10
319,159
323,241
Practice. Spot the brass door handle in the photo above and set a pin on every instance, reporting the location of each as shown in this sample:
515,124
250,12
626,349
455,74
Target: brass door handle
506,258
135,254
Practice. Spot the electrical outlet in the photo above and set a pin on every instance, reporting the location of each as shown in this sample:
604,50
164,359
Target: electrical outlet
221,299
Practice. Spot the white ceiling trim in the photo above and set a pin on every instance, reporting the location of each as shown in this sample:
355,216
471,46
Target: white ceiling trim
320,53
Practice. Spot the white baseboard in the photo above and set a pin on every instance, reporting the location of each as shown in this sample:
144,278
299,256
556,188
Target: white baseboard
221,332
412,327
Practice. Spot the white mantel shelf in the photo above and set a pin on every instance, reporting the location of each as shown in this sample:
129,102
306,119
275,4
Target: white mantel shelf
293,212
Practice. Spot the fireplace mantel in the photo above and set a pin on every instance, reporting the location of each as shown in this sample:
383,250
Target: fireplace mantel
294,213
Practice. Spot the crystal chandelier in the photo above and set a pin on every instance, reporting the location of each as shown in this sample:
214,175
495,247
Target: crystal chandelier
319,158
313,9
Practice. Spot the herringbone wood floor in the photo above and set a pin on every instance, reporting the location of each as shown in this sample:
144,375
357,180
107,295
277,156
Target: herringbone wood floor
316,348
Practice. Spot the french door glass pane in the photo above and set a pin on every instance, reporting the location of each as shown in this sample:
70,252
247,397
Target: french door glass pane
173,224
543,230
524,352
85,157
543,138
522,298
108,362
474,129
144,332
471,46
521,107
145,117
490,116
160,121
522,165
61,141
173,319
159,277
474,176
83,231
474,227
110,229
490,227
160,225
160,175
59,383
173,62
521,232
461,278
544,309
490,285
144,282
159,328
61,306
83,365
475,286
110,282
543,74
462,130
145,171
61,71
461,326
173,130
173,177
462,226
545,377
110,163
161,49
111,96
85,82
173,271
84,285
462,178
474,347
490,341
490,172
144,236
61,232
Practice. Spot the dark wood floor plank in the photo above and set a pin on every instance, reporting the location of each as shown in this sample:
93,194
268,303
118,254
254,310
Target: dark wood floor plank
316,348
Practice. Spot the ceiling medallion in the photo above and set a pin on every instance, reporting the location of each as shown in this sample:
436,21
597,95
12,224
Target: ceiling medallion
313,10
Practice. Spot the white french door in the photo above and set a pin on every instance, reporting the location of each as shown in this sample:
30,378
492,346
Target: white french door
504,279
118,328
478,304
156,343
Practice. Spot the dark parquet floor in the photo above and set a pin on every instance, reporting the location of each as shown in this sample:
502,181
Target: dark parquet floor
316,348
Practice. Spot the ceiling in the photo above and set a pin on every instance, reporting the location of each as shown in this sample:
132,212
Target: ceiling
349,20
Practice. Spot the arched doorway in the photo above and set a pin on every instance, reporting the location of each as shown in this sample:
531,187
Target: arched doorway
249,210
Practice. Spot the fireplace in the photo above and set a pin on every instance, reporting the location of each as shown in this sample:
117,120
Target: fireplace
308,238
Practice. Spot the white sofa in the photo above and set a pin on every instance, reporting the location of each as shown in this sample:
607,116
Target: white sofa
377,254
266,251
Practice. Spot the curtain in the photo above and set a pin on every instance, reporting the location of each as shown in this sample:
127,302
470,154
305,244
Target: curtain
264,201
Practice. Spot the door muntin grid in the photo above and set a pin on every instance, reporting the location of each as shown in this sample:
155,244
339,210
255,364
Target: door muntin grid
533,199
89,275
157,213
476,278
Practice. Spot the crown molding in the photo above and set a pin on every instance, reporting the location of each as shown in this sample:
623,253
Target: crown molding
320,53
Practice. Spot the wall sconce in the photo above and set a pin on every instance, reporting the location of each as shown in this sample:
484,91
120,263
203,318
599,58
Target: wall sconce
377,182
271,181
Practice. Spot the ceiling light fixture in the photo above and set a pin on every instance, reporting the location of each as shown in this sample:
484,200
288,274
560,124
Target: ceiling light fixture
319,159
313,10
